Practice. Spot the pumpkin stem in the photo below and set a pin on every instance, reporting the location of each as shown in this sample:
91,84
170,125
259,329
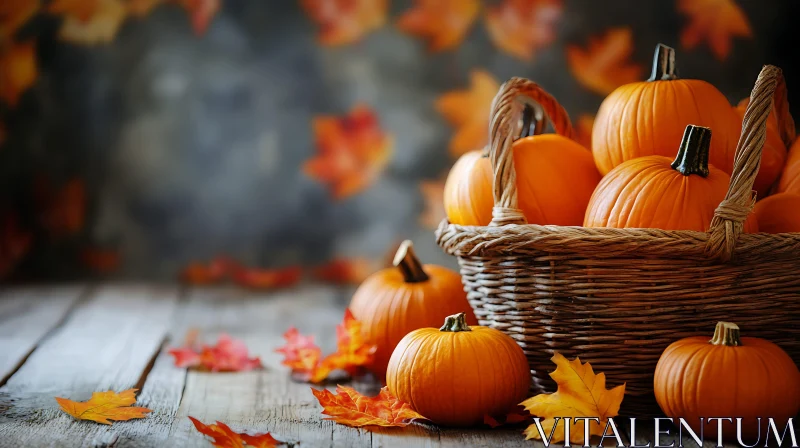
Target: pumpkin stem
406,260
663,64
693,154
455,323
533,120
727,334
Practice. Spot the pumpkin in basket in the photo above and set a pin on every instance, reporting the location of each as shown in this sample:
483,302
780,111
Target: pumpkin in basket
555,176
728,376
648,118
394,301
790,178
773,156
657,192
779,213
457,375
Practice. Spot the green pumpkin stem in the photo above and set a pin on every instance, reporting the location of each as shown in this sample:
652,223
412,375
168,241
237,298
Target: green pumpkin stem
455,323
663,64
406,260
693,154
726,334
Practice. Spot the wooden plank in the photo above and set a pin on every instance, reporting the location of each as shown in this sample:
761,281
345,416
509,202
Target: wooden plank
26,316
107,343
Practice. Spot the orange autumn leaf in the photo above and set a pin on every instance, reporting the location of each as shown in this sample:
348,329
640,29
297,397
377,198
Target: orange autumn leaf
62,212
583,130
715,23
101,27
468,112
605,64
100,260
345,271
104,407
201,13
14,14
348,407
444,23
228,355
433,194
351,151
17,70
224,437
521,27
255,278
581,393
343,22
14,243
300,353
197,273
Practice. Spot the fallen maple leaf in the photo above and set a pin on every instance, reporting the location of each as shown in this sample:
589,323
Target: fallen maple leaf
521,27
468,112
14,14
343,271
715,22
300,353
433,194
583,130
605,64
104,407
17,70
580,393
266,278
101,260
62,212
444,23
224,437
14,243
343,22
228,355
101,26
348,407
201,13
351,151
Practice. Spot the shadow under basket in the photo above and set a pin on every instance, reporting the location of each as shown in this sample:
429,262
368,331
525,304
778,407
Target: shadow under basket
618,297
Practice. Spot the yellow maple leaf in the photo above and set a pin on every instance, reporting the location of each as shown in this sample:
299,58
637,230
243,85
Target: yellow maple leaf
17,70
14,14
468,112
581,393
104,407
605,64
444,23
100,28
715,22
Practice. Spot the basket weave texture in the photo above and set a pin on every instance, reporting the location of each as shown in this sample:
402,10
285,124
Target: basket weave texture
618,297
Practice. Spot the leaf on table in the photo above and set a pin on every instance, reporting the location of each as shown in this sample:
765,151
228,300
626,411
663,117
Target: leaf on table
104,407
100,28
522,27
443,23
433,195
300,353
14,243
62,211
516,416
345,271
256,278
581,393
224,437
348,407
343,22
606,63
99,259
228,355
715,23
583,130
352,151
14,14
201,13
18,70
468,112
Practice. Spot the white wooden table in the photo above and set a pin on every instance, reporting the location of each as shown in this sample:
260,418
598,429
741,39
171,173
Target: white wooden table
70,341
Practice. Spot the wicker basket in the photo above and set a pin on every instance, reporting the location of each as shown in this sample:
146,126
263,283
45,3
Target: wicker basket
618,297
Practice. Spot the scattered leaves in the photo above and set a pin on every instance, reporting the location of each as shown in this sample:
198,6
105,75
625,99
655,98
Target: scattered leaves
255,278
433,194
351,151
348,407
100,260
583,130
521,27
343,22
104,407
100,28
714,22
62,212
17,70
468,112
224,437
580,393
228,355
444,23
304,357
14,14
605,64
345,271
14,243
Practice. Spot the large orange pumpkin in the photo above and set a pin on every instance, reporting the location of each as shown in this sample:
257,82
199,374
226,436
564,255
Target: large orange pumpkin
779,213
394,301
790,178
457,375
729,376
555,176
657,192
648,118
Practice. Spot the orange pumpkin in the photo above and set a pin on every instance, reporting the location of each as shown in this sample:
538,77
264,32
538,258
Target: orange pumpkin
773,156
648,118
729,376
555,177
790,178
457,375
657,192
779,213
394,301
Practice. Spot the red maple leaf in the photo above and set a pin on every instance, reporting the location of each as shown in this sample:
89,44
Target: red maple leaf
343,22
228,355
224,437
521,27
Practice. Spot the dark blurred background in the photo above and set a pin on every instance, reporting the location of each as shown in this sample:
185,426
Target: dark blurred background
149,139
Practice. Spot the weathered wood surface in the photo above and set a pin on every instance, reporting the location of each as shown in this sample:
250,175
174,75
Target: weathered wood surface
116,337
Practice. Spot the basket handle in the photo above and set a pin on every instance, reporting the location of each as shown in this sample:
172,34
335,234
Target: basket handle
504,126
728,221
